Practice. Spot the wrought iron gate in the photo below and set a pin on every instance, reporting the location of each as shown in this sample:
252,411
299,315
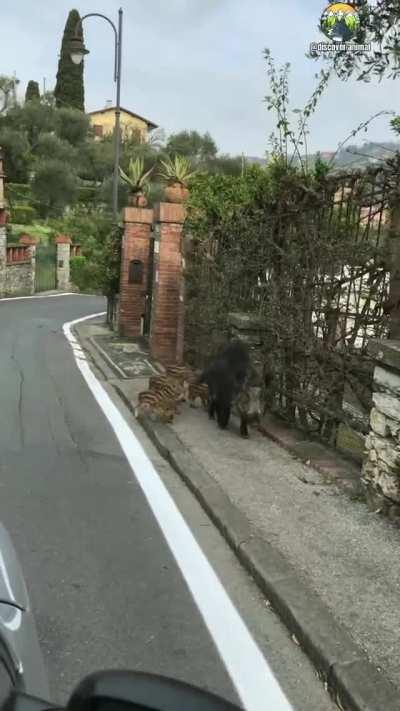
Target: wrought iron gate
149,289
46,267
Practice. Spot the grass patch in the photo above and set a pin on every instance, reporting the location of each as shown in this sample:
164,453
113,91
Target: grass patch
358,497
42,232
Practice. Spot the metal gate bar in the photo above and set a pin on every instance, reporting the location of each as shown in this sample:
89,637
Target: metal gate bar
46,267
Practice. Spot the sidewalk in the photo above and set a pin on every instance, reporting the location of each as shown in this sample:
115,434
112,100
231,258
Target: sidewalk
329,567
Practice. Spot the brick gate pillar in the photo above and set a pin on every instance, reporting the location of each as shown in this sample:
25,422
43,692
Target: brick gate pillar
63,243
134,266
167,311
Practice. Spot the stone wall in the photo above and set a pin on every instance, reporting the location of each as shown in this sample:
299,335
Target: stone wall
381,469
3,259
20,279
3,231
115,314
249,329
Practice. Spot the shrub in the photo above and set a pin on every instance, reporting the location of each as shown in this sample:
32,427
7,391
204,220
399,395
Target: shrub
85,275
87,195
78,267
225,165
85,227
99,270
23,214
109,262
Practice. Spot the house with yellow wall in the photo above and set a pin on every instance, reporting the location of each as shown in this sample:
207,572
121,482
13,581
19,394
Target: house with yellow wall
103,121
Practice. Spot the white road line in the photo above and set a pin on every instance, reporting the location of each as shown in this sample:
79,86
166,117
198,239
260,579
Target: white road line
42,296
250,673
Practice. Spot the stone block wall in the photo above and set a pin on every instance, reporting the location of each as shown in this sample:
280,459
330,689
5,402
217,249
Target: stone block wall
3,259
381,469
3,230
251,330
19,274
20,279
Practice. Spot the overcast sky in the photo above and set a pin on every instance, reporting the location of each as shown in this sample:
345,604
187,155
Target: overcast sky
197,64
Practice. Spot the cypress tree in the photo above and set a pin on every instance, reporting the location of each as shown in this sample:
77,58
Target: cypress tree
69,91
32,91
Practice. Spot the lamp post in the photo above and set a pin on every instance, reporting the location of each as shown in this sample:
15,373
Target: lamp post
77,53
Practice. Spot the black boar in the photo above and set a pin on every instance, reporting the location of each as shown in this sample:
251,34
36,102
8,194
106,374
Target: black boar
225,377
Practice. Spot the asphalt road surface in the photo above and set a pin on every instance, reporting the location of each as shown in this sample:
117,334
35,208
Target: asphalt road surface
105,587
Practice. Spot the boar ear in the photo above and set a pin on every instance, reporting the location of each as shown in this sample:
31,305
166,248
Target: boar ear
254,378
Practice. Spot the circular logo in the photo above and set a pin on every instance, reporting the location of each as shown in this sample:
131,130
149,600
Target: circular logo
340,22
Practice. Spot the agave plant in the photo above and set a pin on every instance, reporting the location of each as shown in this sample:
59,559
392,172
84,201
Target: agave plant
137,178
177,170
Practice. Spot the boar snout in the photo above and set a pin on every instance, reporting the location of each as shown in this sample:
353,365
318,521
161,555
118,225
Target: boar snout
254,410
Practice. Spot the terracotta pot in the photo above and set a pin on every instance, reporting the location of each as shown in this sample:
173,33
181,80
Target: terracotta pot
137,200
176,193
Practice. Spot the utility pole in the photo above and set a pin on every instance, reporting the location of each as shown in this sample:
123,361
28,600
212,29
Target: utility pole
14,88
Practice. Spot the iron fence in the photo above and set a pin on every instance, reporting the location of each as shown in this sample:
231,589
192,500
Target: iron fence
314,263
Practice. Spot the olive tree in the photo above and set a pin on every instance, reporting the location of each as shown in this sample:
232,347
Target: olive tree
54,186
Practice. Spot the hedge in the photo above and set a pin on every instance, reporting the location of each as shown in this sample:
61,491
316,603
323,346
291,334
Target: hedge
21,192
18,192
23,214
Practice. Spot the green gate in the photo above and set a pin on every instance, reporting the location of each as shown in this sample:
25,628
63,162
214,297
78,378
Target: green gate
46,267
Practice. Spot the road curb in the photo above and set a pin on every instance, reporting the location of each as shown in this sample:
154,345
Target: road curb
352,680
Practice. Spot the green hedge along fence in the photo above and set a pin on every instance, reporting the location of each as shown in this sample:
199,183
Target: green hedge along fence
23,214
20,194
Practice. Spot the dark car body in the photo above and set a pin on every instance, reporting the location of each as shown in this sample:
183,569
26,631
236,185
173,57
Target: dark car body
21,660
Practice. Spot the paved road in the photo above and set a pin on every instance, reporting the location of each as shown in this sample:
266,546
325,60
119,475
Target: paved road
105,587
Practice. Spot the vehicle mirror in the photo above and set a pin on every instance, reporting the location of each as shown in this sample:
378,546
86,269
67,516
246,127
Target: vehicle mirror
137,691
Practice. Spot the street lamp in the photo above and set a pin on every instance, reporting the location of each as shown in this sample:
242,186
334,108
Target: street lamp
77,52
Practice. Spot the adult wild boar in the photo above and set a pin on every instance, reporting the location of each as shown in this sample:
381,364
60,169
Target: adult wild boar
225,377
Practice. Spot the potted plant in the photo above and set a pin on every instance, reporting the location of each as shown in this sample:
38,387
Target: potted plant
177,172
137,179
